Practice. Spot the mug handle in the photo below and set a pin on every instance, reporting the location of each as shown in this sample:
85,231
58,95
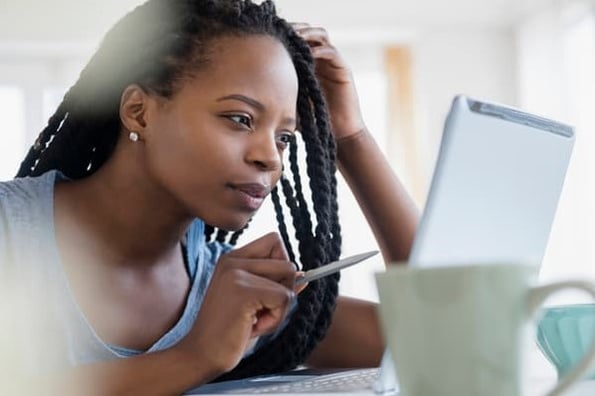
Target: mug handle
537,296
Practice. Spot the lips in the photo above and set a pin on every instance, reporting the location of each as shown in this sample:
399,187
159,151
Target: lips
255,190
250,196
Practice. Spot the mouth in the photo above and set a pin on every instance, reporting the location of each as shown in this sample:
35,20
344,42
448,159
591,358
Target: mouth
250,196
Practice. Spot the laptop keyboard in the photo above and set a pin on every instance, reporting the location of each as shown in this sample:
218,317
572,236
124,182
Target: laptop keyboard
340,382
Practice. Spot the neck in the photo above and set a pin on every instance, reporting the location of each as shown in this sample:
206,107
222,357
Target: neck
124,214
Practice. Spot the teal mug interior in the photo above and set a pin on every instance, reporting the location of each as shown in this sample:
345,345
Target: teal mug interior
565,334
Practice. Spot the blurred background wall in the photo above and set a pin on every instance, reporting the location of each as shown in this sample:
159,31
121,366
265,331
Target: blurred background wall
409,59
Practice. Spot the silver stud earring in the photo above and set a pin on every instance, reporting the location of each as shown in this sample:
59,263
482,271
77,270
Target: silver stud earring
133,136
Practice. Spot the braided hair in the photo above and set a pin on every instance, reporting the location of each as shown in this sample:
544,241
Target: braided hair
158,45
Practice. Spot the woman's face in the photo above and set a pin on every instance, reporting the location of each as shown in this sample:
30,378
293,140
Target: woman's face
216,146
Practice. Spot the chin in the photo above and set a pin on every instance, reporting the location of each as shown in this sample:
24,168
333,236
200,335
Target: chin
229,224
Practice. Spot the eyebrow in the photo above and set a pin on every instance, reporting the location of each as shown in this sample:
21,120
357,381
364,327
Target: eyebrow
243,98
255,104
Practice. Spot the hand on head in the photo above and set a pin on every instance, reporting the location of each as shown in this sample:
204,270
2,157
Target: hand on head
336,81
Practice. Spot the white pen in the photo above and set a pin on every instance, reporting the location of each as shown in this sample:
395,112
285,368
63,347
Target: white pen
333,267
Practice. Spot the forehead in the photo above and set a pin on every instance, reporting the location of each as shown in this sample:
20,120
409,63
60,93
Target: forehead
256,65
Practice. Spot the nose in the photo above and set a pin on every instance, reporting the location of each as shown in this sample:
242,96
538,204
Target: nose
263,151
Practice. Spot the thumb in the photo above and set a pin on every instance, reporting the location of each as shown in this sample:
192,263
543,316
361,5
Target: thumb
297,289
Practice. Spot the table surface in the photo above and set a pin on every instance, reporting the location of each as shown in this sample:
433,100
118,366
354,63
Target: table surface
541,378
582,388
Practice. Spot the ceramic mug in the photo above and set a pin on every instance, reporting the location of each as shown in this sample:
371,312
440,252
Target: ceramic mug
565,333
462,330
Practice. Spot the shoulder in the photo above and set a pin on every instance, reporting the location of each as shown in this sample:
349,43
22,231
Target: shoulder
26,188
22,199
24,203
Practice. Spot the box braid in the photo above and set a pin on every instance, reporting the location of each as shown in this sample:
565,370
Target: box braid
158,46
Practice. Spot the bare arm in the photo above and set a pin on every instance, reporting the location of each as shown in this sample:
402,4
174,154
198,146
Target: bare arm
355,323
389,210
161,373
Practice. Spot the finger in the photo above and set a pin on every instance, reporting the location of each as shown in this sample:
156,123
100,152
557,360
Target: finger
299,288
268,320
314,35
291,306
325,52
299,25
333,62
280,271
267,246
267,303
265,324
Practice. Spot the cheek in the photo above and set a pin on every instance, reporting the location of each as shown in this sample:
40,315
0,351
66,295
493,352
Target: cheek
170,155
168,148
276,178
187,156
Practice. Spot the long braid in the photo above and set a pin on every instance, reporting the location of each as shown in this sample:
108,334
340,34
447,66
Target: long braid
158,45
304,215
302,232
209,231
281,223
329,144
221,235
327,237
55,123
233,239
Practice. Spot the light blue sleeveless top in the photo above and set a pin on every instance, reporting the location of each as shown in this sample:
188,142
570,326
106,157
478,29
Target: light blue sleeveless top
28,249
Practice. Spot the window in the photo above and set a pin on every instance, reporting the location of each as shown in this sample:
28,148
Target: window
12,103
568,94
31,86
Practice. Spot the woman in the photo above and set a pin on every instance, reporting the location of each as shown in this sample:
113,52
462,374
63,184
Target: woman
174,134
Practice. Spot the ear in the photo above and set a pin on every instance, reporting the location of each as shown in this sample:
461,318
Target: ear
134,104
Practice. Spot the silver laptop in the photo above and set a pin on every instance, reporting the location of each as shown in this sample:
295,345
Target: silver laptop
493,198
495,189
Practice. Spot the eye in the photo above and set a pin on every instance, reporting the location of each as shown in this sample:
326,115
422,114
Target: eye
285,139
241,119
